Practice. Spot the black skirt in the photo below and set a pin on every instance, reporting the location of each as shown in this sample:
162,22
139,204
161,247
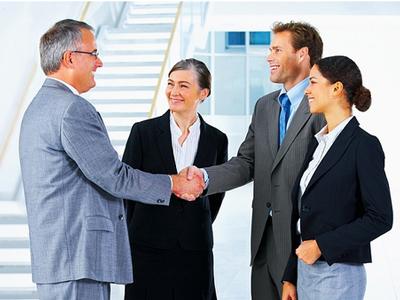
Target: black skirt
171,274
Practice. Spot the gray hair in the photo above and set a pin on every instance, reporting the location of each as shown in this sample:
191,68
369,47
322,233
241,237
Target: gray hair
64,35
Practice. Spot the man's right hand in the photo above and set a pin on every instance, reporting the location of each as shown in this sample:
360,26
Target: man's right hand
185,188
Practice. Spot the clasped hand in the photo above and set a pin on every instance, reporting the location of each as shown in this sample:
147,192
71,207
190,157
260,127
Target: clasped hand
188,184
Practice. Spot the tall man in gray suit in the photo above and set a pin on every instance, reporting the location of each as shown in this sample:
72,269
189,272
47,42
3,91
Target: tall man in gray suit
73,179
272,154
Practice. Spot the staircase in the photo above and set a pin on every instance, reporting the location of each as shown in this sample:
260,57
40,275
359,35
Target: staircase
15,270
132,54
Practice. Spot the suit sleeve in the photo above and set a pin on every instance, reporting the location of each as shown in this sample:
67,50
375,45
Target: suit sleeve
133,157
375,197
239,170
216,199
85,140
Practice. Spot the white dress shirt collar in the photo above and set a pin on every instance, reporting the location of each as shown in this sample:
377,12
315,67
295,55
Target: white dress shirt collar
74,90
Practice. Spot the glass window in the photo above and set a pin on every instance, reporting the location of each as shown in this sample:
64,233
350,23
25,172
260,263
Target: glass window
235,39
260,38
206,48
230,85
259,83
222,44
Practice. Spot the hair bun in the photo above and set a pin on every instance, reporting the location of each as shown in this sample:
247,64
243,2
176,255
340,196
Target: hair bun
362,99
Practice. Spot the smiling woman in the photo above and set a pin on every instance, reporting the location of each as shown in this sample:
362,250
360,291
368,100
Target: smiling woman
172,247
341,193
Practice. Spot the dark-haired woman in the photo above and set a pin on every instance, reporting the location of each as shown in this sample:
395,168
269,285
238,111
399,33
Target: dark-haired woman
341,199
172,246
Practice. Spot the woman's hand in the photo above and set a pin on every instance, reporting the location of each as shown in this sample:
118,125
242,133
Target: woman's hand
308,252
288,291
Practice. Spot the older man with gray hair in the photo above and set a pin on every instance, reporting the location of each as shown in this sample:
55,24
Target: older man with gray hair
73,179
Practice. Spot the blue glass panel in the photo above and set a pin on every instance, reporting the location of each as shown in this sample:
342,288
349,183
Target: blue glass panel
260,38
235,39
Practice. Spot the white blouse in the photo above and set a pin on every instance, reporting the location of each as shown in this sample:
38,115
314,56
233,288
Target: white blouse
184,155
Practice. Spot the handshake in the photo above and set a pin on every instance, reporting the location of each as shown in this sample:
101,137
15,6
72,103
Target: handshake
188,184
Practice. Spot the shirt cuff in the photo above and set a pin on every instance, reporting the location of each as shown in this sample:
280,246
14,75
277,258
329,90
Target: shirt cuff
172,183
205,177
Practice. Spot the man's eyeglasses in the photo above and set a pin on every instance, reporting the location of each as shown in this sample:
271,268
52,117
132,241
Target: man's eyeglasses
94,53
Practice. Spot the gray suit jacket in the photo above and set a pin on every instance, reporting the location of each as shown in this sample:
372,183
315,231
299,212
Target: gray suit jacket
274,169
73,182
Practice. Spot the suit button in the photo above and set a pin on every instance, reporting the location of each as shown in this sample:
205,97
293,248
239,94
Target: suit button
121,217
160,201
305,209
268,204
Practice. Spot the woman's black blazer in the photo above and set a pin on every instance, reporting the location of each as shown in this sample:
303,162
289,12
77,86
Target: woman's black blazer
347,202
149,148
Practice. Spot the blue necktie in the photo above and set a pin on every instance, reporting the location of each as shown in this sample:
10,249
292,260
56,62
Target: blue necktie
283,116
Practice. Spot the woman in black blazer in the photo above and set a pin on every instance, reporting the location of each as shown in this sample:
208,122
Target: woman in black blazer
341,199
172,246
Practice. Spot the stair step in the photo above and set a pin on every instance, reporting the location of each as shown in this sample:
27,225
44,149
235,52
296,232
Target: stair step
139,5
20,281
131,58
119,128
133,64
119,135
136,41
154,15
123,88
123,121
142,28
110,94
13,219
124,114
14,230
126,76
136,47
11,207
135,107
140,35
147,21
13,243
20,294
15,267
133,82
139,9
128,70
120,101
132,52
118,142
15,255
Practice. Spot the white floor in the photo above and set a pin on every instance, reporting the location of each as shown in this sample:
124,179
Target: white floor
232,254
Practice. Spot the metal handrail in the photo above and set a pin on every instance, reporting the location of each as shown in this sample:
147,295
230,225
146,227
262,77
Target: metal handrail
4,146
154,101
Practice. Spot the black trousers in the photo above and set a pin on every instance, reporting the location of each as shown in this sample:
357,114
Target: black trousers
171,274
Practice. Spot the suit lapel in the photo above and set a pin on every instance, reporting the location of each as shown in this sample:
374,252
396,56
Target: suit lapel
204,156
299,119
164,143
335,152
272,123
